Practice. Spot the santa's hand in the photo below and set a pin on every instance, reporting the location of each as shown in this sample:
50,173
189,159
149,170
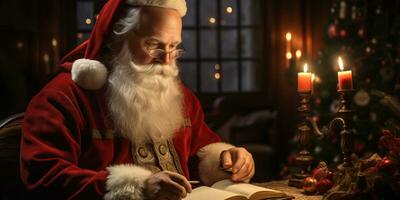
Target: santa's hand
167,185
240,161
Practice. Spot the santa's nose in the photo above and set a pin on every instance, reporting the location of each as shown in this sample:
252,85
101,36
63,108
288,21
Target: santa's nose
165,59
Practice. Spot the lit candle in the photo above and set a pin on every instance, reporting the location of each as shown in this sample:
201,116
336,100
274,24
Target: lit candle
345,78
304,83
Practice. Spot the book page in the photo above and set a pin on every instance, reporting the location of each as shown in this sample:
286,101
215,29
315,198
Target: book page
252,192
204,192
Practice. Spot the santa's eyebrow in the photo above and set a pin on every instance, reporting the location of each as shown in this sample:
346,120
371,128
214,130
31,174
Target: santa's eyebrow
152,39
157,40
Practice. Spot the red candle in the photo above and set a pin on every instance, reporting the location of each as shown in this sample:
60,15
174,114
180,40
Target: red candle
345,78
304,83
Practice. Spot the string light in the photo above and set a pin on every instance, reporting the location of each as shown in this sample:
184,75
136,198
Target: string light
217,75
298,54
79,35
20,45
54,42
288,36
46,58
88,21
217,66
289,55
212,20
229,9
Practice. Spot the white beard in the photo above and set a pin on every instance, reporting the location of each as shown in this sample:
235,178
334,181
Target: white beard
145,101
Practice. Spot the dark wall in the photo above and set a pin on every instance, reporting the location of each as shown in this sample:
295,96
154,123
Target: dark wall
306,20
27,56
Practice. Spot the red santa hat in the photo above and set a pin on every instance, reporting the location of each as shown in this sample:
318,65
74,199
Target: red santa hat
83,61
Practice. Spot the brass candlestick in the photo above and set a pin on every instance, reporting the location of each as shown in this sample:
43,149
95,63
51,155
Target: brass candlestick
346,135
303,159
341,125
306,126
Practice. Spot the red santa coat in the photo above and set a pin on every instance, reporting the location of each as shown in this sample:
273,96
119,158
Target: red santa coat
67,146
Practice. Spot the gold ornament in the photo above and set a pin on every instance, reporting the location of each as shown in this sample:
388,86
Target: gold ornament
310,185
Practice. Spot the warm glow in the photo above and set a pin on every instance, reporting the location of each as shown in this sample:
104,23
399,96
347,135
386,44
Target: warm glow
217,75
317,79
88,21
288,36
229,9
212,20
217,66
298,54
340,61
20,45
312,77
288,55
305,68
54,42
46,58
79,35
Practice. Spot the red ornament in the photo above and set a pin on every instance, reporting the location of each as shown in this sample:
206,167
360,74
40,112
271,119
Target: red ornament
324,185
372,170
359,147
332,31
343,33
390,142
361,32
387,166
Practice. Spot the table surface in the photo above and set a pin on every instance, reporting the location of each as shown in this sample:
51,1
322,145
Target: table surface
292,191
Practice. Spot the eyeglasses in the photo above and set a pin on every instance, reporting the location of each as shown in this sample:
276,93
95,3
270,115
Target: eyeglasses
159,53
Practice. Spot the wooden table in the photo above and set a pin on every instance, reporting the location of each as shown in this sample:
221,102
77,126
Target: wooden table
292,191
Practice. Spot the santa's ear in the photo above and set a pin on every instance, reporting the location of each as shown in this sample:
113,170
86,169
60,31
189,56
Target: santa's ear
89,74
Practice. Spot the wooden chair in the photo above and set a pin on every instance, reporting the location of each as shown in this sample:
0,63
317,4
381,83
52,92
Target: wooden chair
10,136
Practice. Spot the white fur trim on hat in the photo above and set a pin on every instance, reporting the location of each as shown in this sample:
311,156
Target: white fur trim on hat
89,74
209,165
126,182
179,5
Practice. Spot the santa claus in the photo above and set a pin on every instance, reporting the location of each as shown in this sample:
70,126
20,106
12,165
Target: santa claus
118,123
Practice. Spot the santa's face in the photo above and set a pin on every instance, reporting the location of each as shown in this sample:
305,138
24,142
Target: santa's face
157,38
145,101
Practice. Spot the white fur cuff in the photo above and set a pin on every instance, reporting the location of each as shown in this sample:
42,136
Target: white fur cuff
179,5
89,74
209,166
126,182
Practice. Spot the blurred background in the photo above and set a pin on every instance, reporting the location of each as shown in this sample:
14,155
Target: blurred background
241,59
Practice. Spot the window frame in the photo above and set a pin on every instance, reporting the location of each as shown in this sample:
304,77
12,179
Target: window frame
219,28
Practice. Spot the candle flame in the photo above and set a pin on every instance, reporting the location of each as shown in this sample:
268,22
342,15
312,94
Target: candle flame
288,36
340,61
305,67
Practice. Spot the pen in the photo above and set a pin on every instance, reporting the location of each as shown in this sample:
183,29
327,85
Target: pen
194,182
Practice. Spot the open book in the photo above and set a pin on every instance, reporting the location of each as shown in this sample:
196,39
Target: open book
228,190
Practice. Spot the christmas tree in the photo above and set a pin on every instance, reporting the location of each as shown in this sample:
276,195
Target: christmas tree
366,34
